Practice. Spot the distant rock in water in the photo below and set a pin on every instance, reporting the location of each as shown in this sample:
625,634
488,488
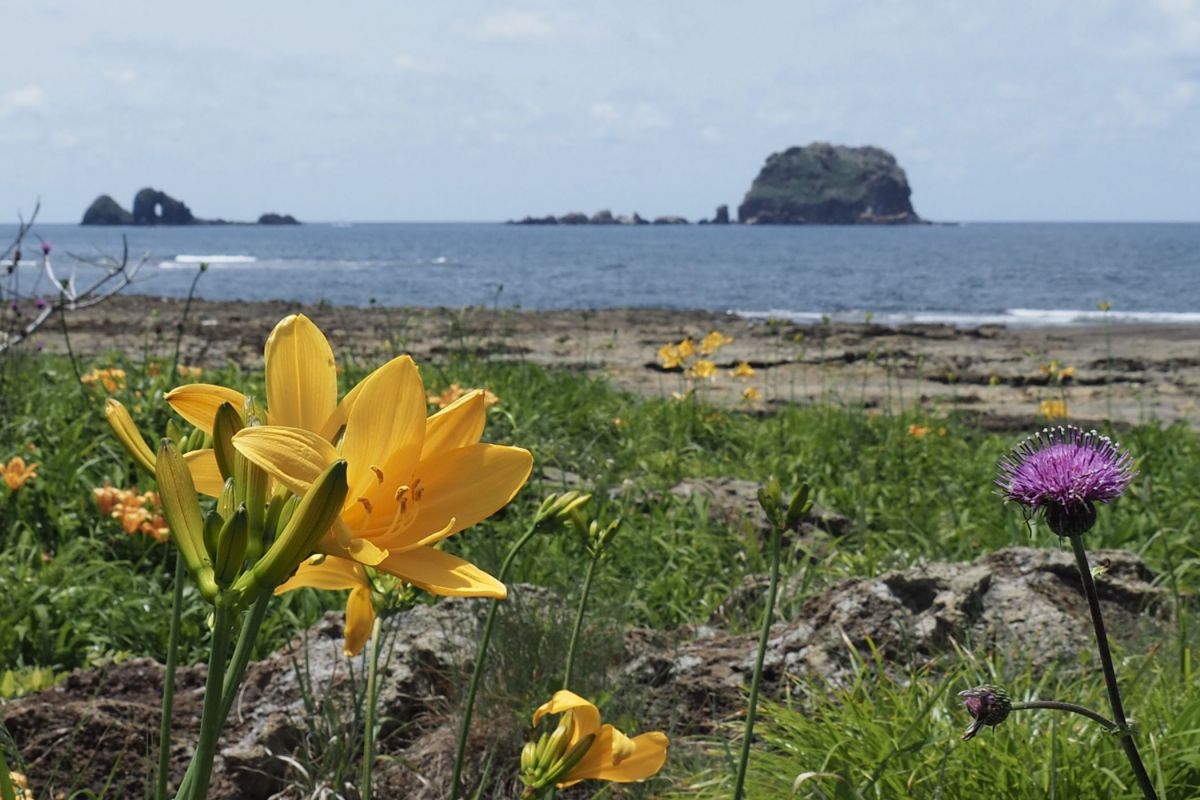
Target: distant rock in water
106,211
272,218
601,217
154,207
828,184
722,217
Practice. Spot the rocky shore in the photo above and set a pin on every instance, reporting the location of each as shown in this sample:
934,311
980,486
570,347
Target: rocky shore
999,376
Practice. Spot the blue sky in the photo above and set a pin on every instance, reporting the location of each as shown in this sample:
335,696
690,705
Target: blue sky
1017,110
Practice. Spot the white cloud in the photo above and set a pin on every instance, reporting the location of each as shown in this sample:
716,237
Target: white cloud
121,75
26,97
406,62
712,134
630,122
604,112
515,26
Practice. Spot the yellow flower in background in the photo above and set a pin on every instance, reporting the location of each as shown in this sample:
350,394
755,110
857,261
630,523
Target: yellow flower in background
743,370
686,348
17,472
750,394
113,380
713,342
20,786
918,431
1065,373
668,356
583,749
454,392
702,369
1053,409
413,481
189,372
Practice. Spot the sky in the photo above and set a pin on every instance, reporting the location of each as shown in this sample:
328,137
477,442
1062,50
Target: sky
471,110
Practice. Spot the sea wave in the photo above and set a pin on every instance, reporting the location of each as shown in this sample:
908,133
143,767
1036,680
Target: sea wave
190,261
1011,318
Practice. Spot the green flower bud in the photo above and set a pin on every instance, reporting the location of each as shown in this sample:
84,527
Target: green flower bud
226,423
181,507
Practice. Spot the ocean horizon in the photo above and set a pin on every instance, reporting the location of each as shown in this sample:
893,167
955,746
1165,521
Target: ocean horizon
966,274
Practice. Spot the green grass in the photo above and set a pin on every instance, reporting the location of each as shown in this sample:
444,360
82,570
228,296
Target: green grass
75,590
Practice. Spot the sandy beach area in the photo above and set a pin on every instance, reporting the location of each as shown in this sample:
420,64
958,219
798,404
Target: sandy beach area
999,376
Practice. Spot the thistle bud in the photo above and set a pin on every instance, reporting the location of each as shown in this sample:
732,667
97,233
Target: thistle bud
987,705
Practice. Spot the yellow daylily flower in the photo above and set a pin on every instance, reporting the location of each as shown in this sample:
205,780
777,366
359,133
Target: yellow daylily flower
412,481
301,380
610,756
1052,409
751,394
713,342
743,370
703,369
335,573
668,356
16,473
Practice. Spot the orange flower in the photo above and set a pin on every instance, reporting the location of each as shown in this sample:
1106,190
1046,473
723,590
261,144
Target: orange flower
113,380
16,472
454,392
918,431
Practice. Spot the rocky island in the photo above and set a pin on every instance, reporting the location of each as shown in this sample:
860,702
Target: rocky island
155,207
827,184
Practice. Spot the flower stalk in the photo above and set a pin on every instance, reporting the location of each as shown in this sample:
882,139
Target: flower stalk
168,700
368,758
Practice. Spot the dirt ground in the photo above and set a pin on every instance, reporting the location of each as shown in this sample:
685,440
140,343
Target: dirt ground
1123,372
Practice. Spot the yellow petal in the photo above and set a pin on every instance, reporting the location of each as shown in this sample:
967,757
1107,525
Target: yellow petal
457,425
342,413
127,433
467,485
587,716
365,552
205,472
386,428
295,457
301,375
649,753
360,619
198,402
442,574
333,573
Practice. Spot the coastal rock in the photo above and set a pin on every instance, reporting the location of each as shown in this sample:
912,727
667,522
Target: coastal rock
573,218
1026,603
154,207
826,184
603,217
271,218
638,219
722,215
670,220
106,211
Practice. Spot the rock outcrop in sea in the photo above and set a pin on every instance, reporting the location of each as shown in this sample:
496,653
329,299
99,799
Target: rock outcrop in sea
156,207
602,217
827,184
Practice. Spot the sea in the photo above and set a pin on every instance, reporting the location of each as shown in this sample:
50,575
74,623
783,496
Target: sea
1015,274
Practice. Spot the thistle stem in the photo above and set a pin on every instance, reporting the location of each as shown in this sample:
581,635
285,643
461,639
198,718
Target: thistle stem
768,612
368,758
473,687
210,720
168,698
1110,674
1055,705
583,599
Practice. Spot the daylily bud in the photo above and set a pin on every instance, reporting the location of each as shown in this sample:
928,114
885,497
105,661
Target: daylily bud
212,526
227,500
231,547
987,705
313,515
181,507
254,483
801,503
561,505
128,435
226,423
770,497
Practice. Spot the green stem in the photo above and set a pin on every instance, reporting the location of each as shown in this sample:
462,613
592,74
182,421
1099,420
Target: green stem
758,664
1110,674
210,720
187,307
234,674
473,688
368,759
168,699
1055,705
587,588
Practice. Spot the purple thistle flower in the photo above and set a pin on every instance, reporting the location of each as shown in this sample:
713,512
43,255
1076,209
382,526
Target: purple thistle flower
45,248
1063,472
987,705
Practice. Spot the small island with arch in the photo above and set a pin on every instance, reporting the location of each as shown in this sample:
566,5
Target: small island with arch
155,207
